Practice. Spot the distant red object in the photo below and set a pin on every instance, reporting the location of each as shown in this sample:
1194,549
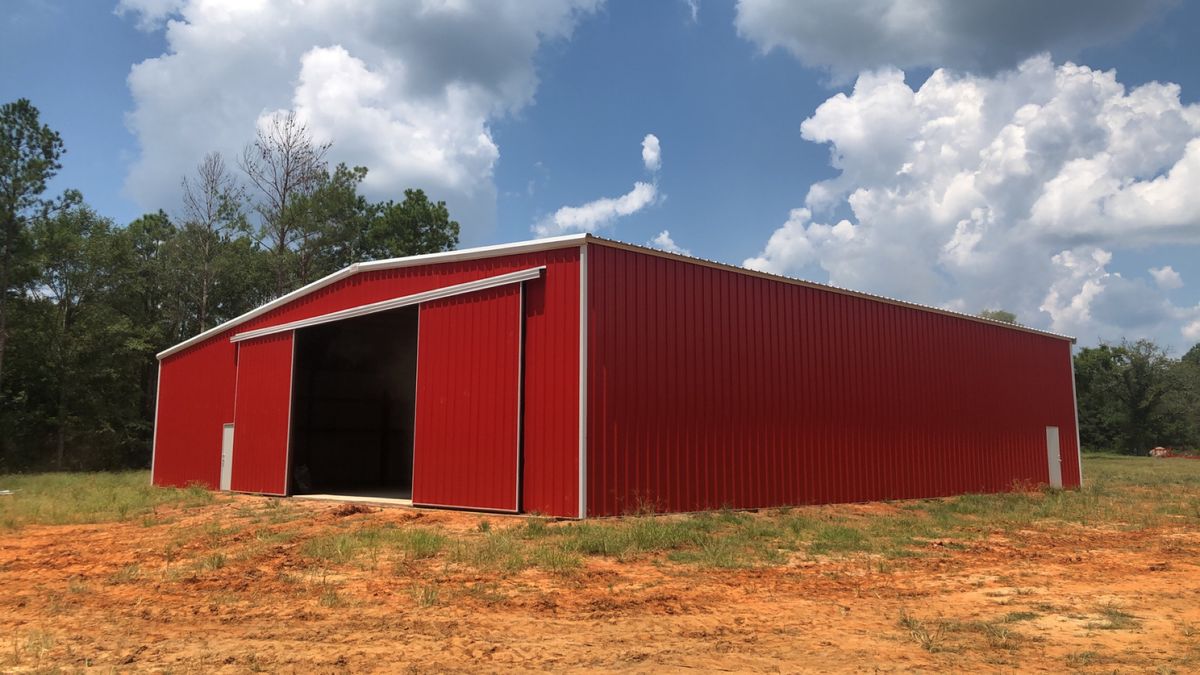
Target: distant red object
1169,453
583,377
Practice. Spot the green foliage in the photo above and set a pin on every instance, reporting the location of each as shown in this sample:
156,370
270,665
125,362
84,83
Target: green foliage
999,315
1133,397
85,304
29,157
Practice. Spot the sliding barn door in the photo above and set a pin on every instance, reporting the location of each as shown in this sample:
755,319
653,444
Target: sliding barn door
466,450
262,415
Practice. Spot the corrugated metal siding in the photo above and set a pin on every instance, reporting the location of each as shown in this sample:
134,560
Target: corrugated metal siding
195,398
709,388
261,420
550,456
549,482
468,401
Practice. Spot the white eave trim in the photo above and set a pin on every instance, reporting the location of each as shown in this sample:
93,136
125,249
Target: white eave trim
567,241
396,303
392,263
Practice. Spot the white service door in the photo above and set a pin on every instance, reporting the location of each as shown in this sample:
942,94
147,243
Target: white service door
226,456
1053,457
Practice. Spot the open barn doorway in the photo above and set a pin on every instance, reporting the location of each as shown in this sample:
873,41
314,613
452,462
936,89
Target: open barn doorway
353,395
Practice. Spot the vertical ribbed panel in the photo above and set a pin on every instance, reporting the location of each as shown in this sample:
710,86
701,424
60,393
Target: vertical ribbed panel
198,383
711,388
195,399
261,421
466,443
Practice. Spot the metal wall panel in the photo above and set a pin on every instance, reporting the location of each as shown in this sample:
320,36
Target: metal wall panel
710,388
467,432
194,381
195,398
262,414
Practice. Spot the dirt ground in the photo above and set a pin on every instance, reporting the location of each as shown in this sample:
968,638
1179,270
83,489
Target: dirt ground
119,596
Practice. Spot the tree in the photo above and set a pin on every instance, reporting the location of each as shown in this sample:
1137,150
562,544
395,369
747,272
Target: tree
29,157
1192,356
86,304
331,222
212,214
999,315
412,227
1134,396
1101,415
284,164
86,340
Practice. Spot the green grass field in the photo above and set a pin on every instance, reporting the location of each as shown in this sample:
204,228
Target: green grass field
1120,492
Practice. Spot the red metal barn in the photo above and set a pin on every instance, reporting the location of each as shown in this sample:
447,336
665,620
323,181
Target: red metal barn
579,377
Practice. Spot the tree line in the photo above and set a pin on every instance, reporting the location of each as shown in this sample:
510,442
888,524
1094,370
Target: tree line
1134,396
85,303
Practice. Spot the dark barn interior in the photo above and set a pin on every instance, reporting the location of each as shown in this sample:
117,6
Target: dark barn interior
353,394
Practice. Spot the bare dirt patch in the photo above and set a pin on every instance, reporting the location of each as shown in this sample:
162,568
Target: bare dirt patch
1087,581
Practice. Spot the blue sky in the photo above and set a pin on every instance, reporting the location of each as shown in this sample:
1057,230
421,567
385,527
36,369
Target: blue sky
512,112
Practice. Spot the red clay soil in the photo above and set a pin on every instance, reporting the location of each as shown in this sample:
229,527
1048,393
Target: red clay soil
121,596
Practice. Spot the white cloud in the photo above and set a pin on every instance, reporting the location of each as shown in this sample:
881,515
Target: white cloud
1192,331
651,153
664,241
693,9
596,214
848,37
150,14
602,212
1014,190
406,88
1166,278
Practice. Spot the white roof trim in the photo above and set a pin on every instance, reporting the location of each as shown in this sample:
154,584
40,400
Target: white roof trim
396,303
391,263
566,242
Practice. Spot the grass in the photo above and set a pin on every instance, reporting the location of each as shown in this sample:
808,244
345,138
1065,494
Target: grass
1126,492
425,595
1114,618
420,543
125,575
931,640
72,498
951,635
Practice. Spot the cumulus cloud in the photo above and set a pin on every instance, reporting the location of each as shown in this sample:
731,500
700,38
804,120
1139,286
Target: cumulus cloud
651,153
848,37
1013,190
596,214
602,212
1166,278
664,241
406,88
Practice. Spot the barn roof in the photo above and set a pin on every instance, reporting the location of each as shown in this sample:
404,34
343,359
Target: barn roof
565,241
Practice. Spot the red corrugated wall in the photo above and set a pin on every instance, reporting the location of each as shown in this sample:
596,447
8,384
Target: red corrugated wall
197,384
711,388
468,401
195,398
262,414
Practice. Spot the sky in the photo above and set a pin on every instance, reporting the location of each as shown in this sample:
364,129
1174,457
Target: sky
1037,157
